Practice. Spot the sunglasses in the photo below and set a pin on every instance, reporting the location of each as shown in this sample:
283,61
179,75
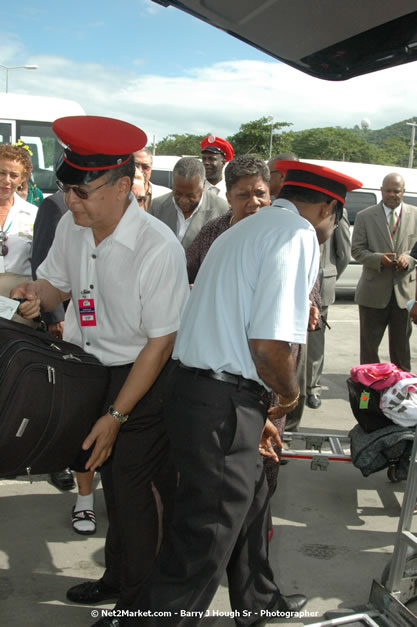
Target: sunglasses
81,193
3,248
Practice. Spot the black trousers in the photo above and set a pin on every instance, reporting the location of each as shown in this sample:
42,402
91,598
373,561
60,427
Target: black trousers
139,482
221,508
373,323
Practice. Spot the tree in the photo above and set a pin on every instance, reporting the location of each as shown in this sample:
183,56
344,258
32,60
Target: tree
336,144
254,137
175,144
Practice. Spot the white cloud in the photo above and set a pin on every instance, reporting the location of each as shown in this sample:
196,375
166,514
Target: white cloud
220,97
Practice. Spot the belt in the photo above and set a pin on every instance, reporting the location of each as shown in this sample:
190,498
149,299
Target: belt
226,377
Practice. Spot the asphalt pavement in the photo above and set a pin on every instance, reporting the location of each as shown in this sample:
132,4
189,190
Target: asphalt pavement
334,529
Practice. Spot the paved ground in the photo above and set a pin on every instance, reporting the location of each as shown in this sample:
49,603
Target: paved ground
334,530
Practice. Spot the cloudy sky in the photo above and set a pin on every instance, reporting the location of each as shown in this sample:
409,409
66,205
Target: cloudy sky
170,73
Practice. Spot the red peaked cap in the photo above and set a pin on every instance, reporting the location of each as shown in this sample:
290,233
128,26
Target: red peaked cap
317,177
94,144
217,144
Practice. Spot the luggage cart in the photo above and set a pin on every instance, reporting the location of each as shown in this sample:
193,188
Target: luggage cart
320,448
393,601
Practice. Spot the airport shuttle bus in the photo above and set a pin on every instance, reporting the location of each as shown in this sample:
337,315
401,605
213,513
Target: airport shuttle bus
30,118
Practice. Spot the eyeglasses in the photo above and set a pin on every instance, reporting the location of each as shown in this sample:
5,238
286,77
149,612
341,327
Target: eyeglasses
81,193
3,248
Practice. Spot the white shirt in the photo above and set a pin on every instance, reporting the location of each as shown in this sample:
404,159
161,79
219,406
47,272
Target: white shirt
182,222
219,188
136,276
253,284
19,230
388,211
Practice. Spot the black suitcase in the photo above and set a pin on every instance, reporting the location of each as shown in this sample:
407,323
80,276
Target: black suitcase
370,417
51,393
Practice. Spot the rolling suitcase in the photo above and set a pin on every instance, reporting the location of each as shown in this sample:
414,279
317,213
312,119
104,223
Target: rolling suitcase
51,393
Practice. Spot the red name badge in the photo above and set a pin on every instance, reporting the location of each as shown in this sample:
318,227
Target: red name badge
87,312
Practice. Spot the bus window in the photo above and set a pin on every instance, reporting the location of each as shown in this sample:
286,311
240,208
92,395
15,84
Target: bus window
356,201
410,200
6,132
42,142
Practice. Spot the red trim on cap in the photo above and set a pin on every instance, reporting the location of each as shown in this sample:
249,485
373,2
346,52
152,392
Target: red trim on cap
104,167
317,188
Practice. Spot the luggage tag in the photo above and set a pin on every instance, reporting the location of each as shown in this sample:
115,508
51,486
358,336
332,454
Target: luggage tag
8,307
87,312
364,400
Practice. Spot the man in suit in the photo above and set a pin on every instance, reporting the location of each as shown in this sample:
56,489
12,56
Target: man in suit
334,257
383,236
188,207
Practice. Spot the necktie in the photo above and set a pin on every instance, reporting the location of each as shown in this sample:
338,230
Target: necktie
392,223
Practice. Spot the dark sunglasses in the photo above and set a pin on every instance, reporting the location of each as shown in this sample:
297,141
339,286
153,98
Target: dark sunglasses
3,248
81,193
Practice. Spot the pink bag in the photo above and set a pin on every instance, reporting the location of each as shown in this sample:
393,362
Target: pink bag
379,376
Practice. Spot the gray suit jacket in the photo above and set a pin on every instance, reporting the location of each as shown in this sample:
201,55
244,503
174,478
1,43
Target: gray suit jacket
371,239
334,257
211,207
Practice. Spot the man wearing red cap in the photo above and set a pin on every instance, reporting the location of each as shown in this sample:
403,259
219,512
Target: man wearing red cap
215,152
249,303
125,274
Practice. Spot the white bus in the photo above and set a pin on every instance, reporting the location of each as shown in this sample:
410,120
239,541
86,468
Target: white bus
30,118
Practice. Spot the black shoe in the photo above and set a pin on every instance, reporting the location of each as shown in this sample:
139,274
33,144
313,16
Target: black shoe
107,622
292,603
63,479
313,401
91,592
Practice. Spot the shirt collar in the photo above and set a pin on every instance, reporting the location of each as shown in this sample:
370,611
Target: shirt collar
388,209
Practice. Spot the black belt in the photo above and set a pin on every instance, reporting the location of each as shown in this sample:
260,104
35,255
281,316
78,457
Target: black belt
226,377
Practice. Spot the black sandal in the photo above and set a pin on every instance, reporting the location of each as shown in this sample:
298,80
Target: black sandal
84,514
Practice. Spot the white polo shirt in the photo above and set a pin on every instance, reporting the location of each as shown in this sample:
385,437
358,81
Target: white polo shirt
19,230
219,189
253,284
136,277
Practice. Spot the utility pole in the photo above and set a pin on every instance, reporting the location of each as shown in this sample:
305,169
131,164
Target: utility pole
412,143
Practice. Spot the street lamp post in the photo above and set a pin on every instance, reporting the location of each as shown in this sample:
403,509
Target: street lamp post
412,143
270,118
16,67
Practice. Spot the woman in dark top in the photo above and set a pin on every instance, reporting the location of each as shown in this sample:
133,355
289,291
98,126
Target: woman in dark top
247,185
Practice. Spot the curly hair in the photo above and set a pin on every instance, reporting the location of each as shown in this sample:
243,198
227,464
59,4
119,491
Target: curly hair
16,153
245,165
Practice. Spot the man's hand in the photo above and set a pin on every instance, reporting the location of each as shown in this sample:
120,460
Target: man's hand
269,435
387,260
30,292
313,317
29,309
57,329
103,434
402,263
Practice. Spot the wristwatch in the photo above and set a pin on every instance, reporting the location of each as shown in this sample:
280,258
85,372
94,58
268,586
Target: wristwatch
117,415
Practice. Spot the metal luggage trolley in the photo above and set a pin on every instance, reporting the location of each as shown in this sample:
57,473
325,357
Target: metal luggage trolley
393,601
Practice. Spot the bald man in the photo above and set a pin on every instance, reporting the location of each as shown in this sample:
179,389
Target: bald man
383,236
